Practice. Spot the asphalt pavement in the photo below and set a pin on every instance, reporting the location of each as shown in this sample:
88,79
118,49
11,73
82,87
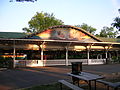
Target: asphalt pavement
11,79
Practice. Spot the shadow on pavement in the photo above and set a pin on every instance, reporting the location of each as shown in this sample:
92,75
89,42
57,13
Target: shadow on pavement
26,77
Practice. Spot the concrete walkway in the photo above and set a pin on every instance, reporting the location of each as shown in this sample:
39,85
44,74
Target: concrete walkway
26,77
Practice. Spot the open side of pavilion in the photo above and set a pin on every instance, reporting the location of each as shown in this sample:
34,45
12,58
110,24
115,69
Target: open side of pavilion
41,48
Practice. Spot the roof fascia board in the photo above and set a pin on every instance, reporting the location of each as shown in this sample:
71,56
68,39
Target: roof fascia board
63,41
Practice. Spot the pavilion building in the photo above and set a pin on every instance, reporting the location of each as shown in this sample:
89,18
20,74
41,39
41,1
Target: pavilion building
57,45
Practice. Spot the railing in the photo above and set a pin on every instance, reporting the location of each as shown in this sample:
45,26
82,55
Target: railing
54,62
96,61
84,61
25,63
63,61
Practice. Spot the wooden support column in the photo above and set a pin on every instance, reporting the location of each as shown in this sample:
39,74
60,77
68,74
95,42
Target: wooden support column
66,56
67,49
117,54
42,52
107,48
88,54
14,54
106,54
88,48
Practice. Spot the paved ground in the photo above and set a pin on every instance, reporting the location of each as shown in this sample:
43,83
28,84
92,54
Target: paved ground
26,77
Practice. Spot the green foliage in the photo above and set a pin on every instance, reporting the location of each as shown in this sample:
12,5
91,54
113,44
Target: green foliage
89,29
42,21
108,32
5,63
117,22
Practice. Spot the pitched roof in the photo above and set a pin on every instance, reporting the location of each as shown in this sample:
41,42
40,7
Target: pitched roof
13,35
104,39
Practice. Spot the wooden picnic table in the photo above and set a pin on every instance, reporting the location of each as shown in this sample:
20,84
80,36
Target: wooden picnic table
87,77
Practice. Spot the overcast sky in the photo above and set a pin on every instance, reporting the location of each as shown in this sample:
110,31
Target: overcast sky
97,13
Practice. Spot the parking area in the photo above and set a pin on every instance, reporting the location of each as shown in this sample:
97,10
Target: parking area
26,77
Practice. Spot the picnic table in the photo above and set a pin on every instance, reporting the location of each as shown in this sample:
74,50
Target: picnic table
87,77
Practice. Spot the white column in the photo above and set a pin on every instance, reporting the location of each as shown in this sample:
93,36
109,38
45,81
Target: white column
66,56
88,55
107,48
106,54
117,54
88,48
41,54
13,54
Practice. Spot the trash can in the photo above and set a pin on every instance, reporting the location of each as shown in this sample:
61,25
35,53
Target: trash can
76,67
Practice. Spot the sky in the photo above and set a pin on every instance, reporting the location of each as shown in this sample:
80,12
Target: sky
96,13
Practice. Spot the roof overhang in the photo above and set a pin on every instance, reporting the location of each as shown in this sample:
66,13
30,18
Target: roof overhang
40,41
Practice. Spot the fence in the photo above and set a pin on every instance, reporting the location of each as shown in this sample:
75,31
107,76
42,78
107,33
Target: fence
30,63
84,61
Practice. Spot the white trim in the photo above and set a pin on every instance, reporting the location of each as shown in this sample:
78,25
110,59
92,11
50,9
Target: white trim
64,41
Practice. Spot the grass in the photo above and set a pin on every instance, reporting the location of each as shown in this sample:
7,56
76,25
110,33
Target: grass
54,86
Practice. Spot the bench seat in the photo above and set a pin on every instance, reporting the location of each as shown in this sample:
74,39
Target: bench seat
110,84
74,87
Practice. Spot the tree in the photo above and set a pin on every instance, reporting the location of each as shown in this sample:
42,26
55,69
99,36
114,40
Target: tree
42,21
108,32
87,28
117,22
